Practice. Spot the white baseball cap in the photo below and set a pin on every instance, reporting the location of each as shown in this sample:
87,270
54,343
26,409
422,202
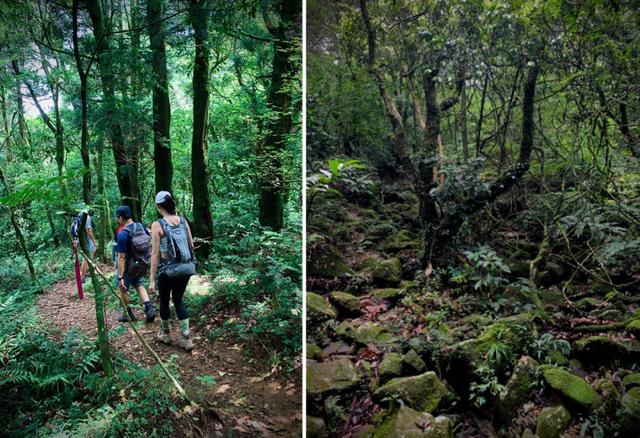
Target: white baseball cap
160,197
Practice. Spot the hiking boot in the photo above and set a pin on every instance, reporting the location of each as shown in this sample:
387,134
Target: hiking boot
148,313
123,317
185,343
163,337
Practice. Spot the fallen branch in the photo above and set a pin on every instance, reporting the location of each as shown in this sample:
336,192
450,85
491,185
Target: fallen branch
151,351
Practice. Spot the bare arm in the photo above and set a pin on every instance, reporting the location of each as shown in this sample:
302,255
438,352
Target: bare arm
121,261
156,229
186,224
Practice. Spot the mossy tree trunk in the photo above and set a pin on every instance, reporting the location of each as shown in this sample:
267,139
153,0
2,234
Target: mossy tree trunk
202,219
103,340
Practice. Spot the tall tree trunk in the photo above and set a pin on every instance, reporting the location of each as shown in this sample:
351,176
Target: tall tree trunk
8,141
161,104
269,152
481,116
22,123
103,342
202,220
105,217
84,132
52,225
463,120
438,238
125,157
16,226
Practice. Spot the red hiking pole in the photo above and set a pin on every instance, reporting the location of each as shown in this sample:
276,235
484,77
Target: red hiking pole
78,279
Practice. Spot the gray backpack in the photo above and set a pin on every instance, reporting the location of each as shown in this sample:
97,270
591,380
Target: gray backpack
182,261
139,255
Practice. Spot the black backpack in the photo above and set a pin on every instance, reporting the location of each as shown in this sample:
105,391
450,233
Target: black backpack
75,225
139,254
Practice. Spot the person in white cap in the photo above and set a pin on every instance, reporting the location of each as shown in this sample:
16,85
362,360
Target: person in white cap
171,252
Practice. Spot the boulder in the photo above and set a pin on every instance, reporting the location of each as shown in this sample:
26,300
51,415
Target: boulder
314,352
632,379
423,392
318,307
601,350
556,271
517,390
634,328
331,376
571,387
611,315
587,304
365,333
409,423
629,412
413,361
327,262
315,427
387,294
518,268
347,303
337,348
515,333
552,422
390,366
387,273
403,239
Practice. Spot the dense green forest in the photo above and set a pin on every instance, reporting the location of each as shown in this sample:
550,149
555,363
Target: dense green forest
105,103
473,231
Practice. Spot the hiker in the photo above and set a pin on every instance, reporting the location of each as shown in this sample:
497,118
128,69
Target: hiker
133,250
172,247
91,241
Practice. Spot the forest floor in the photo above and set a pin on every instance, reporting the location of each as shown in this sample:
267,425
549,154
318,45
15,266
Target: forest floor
483,366
252,397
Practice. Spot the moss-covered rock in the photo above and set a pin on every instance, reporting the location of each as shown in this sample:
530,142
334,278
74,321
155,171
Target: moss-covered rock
327,262
336,375
629,413
414,361
634,328
514,334
609,393
319,308
632,379
390,366
387,273
571,387
387,293
599,350
611,315
422,392
587,304
552,422
519,268
403,239
346,303
517,389
315,427
556,271
409,423
314,352
365,333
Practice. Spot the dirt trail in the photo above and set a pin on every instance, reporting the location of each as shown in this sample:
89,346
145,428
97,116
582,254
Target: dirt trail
251,400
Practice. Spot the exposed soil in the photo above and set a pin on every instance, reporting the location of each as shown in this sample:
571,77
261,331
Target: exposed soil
252,398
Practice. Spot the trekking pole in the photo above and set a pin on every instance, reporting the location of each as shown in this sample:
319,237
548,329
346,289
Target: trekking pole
77,269
151,351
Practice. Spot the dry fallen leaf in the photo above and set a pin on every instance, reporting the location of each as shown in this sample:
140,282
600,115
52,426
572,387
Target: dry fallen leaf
222,389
